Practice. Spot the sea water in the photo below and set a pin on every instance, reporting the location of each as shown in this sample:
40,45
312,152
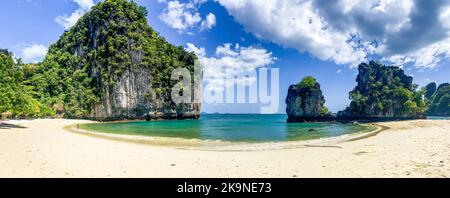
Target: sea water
230,127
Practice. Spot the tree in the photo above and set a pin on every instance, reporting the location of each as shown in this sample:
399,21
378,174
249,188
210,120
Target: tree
16,97
143,10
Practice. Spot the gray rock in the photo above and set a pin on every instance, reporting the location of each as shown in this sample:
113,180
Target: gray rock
305,103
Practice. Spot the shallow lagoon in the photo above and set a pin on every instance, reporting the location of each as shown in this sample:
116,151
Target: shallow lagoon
230,127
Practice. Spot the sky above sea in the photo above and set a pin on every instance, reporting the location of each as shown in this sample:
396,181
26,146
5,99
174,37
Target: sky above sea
301,38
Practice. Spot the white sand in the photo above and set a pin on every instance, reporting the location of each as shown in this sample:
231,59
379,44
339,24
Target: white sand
44,149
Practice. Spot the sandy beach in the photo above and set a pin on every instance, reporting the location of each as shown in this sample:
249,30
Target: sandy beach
44,148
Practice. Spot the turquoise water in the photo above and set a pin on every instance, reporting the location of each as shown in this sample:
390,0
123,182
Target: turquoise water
229,127
438,118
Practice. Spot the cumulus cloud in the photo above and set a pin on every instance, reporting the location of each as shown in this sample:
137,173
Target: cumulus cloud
351,31
67,21
185,16
31,53
228,57
85,4
424,58
180,16
423,27
209,22
200,52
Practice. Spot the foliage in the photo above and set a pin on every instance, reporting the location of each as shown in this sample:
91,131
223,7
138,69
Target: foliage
16,98
87,61
143,10
308,82
439,104
325,111
385,91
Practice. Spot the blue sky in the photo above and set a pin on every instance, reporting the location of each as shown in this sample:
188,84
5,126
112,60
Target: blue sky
301,38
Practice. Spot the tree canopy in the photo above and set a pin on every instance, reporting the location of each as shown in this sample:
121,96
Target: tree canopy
308,82
16,97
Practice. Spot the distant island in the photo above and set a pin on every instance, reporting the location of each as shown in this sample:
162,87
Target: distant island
110,65
382,93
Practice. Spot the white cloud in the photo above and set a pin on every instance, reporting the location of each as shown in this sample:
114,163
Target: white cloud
296,24
348,32
85,4
67,21
444,17
241,60
200,52
180,16
425,58
209,22
225,50
185,16
32,53
338,71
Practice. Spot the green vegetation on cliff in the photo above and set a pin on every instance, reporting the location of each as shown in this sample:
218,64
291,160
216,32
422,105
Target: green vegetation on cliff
308,82
384,92
112,38
439,99
93,67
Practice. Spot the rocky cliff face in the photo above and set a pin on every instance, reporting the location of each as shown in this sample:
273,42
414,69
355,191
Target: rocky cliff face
122,66
440,101
384,93
305,102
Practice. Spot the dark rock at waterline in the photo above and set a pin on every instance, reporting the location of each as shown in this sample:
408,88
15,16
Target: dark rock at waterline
329,118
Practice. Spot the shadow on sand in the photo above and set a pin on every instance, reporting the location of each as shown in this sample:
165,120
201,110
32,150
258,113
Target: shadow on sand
10,126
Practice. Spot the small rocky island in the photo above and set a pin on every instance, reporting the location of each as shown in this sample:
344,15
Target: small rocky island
305,102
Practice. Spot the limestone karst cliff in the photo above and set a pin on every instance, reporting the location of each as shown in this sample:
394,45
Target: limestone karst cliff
113,65
384,93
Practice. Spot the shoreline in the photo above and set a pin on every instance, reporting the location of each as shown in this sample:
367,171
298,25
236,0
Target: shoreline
222,145
42,148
